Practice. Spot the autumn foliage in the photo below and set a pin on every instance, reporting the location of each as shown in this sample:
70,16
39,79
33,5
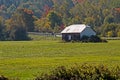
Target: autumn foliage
28,11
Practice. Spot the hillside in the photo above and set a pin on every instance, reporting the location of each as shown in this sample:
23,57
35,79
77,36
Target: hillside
54,15
39,6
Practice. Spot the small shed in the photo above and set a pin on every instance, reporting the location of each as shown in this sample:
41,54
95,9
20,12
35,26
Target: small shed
76,31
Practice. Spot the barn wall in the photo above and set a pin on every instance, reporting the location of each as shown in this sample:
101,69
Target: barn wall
88,32
74,36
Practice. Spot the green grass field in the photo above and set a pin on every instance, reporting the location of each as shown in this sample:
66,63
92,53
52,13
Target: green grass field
25,59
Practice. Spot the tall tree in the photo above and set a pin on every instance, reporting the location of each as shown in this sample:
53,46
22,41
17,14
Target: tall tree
116,14
43,25
15,28
28,19
54,19
2,36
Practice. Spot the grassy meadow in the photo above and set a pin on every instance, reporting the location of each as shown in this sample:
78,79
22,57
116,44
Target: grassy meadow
26,59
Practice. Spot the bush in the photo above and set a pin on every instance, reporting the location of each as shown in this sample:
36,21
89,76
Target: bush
3,78
18,34
92,38
84,39
83,72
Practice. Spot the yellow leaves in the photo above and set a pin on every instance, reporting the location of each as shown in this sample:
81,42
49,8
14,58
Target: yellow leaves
110,34
118,33
7,24
15,21
89,20
28,11
43,24
1,19
47,25
106,12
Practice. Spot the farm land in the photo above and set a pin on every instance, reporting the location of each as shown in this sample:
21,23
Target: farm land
25,59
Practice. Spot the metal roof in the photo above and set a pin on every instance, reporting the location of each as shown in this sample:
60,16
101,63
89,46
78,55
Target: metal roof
76,28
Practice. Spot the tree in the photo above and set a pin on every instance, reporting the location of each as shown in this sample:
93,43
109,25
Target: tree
115,3
18,33
15,28
118,33
89,21
110,30
2,29
27,16
11,9
110,34
43,25
116,14
54,19
1,23
76,20
109,19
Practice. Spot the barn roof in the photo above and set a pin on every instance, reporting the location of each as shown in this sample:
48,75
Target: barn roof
76,28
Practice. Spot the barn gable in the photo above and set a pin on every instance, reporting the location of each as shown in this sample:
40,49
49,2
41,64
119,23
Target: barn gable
88,31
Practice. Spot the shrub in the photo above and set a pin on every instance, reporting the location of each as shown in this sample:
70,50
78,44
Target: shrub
18,34
83,72
92,38
84,38
3,78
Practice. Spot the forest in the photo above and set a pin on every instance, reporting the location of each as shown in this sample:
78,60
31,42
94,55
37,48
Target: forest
17,17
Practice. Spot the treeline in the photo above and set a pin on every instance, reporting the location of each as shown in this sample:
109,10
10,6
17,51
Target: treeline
8,7
54,15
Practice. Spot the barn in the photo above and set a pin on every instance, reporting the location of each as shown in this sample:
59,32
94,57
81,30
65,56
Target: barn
76,31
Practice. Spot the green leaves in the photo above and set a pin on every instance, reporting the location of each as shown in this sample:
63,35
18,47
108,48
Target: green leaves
55,19
83,72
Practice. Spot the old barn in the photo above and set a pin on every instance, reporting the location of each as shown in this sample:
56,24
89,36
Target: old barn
76,31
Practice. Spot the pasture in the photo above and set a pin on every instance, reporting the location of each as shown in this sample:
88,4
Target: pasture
26,59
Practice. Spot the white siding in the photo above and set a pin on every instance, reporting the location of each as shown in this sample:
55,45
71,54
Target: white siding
88,32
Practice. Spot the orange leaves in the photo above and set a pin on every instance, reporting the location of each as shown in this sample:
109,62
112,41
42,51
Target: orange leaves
28,11
117,9
47,9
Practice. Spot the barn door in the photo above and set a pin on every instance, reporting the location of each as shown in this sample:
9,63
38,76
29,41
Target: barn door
69,37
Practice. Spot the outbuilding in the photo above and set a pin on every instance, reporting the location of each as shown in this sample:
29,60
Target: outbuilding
76,32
